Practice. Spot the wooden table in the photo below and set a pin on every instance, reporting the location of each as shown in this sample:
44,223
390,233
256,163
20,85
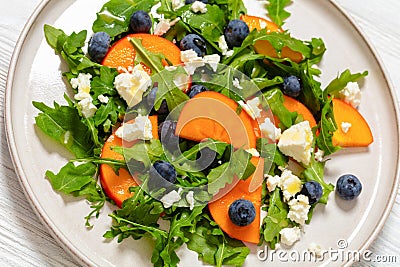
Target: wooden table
24,241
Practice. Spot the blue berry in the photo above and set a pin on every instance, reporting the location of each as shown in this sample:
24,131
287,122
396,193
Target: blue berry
313,190
161,174
140,22
194,42
348,187
236,31
188,2
291,86
98,46
196,89
166,132
242,212
207,159
151,98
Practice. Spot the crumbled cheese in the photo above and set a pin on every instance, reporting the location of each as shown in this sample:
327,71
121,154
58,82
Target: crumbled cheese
181,80
273,182
253,152
269,130
189,55
254,104
140,128
82,82
236,83
345,126
247,108
162,27
290,184
176,4
351,94
81,96
198,6
86,107
131,86
212,60
224,47
190,199
298,209
192,61
290,235
319,155
315,250
296,142
103,99
169,199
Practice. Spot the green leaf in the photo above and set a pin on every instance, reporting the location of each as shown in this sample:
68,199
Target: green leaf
276,11
63,124
72,178
54,36
113,18
275,100
236,8
315,172
151,60
341,81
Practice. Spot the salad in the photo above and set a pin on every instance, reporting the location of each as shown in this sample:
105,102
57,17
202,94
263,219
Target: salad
194,113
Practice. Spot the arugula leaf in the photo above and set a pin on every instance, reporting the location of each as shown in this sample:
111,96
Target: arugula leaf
315,172
78,181
341,81
151,60
235,9
114,16
275,100
327,126
276,219
276,10
270,152
63,124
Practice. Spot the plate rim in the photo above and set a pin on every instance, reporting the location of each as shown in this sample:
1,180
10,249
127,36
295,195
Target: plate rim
59,237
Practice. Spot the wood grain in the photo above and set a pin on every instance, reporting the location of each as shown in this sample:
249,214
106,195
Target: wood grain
25,241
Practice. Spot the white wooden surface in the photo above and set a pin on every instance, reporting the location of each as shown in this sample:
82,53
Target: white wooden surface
24,241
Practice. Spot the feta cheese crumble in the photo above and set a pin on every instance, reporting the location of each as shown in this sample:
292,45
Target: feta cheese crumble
289,183
163,25
169,199
351,94
253,152
140,128
319,155
190,199
176,4
131,86
296,142
236,83
198,6
192,61
103,99
224,47
82,82
86,107
298,209
345,126
248,109
269,130
290,235
212,60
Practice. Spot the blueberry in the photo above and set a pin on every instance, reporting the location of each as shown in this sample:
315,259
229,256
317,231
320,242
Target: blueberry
98,46
207,159
196,89
166,132
162,173
291,86
242,212
188,2
313,190
348,187
140,22
194,42
151,98
236,31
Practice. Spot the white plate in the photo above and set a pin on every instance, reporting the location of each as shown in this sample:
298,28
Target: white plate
35,74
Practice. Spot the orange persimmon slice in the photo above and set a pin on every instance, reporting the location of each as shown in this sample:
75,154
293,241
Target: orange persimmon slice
116,186
263,46
219,208
358,135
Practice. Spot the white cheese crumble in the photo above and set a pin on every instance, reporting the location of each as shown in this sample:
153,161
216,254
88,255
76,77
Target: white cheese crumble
247,108
103,99
253,152
192,61
181,80
190,199
315,250
269,130
319,155
351,94
298,209
236,83
290,235
131,86
140,128
198,6
254,104
176,4
224,47
86,107
296,142
289,183
169,199
345,126
163,25
273,182
212,60
82,82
